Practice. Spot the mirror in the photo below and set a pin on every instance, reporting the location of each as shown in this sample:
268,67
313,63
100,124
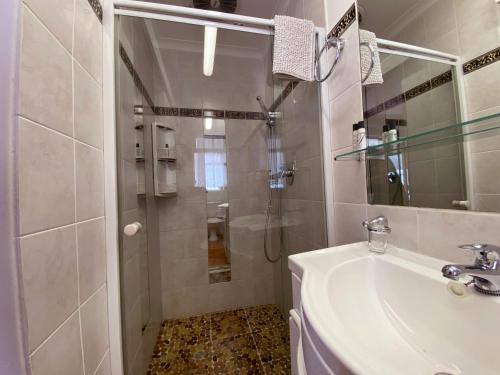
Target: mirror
428,154
215,176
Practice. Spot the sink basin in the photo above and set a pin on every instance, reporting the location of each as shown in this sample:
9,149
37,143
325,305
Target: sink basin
392,314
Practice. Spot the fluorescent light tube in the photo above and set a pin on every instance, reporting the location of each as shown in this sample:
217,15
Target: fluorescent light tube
209,50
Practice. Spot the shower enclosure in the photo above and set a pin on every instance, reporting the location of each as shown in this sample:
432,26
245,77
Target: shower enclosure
216,188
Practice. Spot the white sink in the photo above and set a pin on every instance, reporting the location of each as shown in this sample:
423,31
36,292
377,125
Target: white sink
392,314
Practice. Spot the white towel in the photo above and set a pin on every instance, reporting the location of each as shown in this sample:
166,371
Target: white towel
294,47
375,76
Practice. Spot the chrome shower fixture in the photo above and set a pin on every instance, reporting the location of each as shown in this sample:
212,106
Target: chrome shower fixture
270,116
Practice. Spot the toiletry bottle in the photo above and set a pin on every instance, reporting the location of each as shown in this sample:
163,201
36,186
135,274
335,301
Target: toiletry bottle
385,135
138,150
354,137
392,135
361,138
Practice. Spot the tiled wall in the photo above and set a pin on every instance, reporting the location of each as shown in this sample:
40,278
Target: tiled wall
60,188
430,231
236,82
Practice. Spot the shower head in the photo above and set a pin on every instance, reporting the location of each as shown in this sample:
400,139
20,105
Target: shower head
269,120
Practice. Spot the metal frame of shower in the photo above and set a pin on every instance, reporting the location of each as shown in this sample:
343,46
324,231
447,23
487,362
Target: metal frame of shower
164,12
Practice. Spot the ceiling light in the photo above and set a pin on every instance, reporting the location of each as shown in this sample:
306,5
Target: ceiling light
209,50
208,123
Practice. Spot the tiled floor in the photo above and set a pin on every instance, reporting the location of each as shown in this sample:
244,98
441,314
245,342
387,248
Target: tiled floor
254,340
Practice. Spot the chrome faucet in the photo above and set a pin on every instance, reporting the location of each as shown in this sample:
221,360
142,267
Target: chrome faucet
485,271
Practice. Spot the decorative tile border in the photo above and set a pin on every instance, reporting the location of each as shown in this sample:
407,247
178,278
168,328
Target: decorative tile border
442,79
284,94
190,112
417,90
166,111
347,20
482,61
235,115
97,7
410,94
137,80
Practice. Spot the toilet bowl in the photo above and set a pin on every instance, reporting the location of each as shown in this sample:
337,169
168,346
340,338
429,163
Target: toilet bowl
212,225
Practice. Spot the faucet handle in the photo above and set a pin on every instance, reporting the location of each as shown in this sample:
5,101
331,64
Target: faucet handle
483,249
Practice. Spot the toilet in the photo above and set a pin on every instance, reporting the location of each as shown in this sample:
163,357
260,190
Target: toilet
213,224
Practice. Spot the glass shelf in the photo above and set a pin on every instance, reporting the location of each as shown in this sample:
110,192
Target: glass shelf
455,133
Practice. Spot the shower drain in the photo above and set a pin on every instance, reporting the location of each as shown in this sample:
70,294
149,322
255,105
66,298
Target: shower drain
443,373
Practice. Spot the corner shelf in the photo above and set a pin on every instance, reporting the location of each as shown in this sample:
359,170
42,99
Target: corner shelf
455,133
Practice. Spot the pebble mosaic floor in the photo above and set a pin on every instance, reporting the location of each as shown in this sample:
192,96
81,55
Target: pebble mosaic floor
253,340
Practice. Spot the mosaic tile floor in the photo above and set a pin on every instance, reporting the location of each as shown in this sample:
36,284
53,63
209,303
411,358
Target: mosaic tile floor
253,340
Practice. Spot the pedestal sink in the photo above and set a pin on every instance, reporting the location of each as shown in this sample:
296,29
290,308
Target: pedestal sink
364,313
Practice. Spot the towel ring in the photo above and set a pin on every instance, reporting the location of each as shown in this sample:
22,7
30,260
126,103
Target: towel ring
372,56
338,44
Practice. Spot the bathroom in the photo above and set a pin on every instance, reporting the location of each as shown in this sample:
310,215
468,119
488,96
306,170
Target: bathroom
208,187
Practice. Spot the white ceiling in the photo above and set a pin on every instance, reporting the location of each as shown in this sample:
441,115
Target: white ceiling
253,8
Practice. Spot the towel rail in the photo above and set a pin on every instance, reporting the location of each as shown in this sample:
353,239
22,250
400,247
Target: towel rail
372,62
338,44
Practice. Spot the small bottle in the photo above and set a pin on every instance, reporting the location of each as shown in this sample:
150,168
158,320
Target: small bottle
392,135
355,137
138,151
385,133
361,135
361,138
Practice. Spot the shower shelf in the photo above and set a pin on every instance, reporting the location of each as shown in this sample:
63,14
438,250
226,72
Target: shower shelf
451,134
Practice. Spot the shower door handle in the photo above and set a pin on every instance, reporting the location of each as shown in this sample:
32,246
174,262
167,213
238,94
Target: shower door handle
132,229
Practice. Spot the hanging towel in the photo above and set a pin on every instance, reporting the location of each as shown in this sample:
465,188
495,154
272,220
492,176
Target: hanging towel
375,76
294,47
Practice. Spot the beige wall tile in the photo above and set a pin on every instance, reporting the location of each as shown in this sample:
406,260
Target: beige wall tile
105,366
181,244
45,89
94,315
50,281
484,180
347,71
184,302
57,16
89,182
348,220
91,256
61,354
477,18
441,231
345,110
482,88
45,178
487,203
88,39
349,182
88,108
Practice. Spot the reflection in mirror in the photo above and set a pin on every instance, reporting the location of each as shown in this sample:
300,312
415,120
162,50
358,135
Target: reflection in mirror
215,181
429,150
